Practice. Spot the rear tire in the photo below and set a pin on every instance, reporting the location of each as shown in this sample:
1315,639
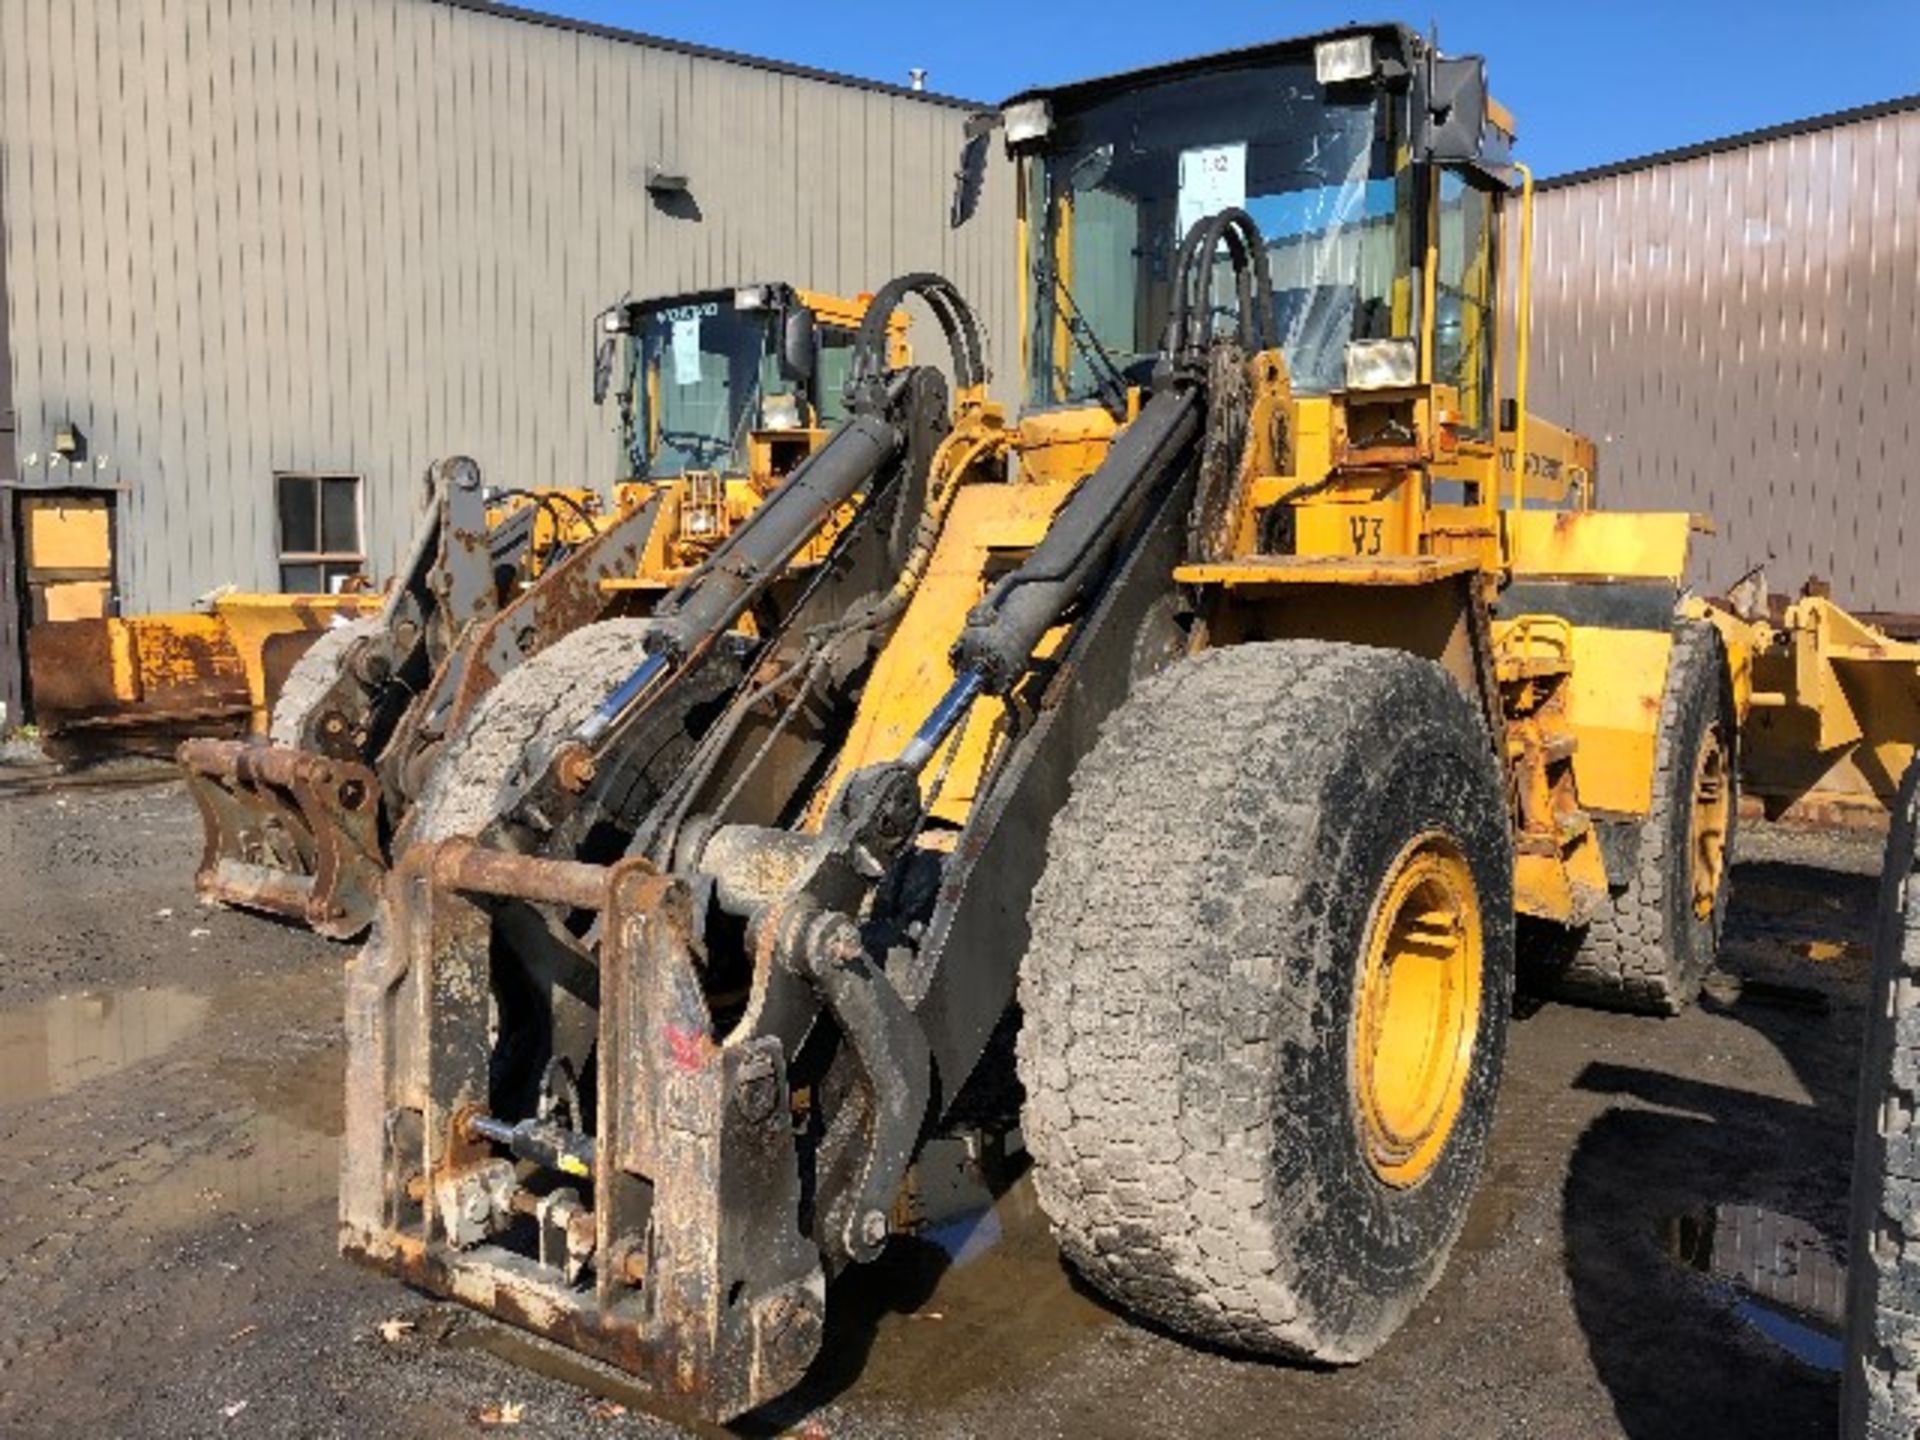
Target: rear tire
1655,938
312,676
1880,1392
1200,1109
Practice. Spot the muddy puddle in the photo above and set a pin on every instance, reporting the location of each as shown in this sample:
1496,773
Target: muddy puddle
73,1040
241,1137
975,1302
1777,1273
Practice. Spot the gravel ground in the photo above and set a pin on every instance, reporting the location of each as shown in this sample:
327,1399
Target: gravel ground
170,1110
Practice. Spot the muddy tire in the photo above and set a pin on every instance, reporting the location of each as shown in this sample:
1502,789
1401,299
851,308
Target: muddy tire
1657,936
311,677
1199,1106
516,724
1880,1392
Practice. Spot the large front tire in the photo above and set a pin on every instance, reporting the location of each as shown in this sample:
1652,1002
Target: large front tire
1880,1392
1267,992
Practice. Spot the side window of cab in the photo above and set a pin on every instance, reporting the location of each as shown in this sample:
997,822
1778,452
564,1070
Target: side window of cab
1463,299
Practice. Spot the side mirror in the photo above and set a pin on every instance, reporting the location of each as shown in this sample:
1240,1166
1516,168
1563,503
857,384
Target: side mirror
797,345
971,176
1456,127
602,369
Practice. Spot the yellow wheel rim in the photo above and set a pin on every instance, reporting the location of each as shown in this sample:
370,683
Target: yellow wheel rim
1707,840
1418,1008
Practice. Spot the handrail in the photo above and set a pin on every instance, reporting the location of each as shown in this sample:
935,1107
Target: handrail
1523,335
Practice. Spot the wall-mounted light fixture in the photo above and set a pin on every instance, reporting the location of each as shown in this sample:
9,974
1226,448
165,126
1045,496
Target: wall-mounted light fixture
663,183
70,442
671,192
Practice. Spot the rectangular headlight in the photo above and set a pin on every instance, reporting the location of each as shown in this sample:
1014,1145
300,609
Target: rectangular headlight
1028,120
1382,364
780,412
613,322
750,297
1348,58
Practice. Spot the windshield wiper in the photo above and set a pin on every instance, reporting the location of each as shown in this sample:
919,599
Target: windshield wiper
1109,383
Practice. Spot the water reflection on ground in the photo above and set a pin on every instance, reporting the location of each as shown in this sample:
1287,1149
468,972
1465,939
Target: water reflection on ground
240,1137
60,1044
1780,1275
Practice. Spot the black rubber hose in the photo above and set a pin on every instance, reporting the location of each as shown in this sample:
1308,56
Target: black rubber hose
955,317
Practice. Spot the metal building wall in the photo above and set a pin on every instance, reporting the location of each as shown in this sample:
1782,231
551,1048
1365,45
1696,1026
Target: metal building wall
355,235
1739,328
13,677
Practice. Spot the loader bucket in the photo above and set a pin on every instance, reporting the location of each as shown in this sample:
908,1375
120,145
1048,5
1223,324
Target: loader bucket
674,1251
288,832
139,684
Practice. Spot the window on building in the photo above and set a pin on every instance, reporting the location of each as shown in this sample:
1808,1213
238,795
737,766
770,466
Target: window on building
320,546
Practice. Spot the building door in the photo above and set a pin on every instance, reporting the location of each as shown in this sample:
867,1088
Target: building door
66,554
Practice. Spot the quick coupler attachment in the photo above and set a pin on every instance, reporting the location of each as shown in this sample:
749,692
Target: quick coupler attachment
677,1255
288,832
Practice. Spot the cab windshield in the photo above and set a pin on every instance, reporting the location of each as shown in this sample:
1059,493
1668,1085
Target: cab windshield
1123,176
698,372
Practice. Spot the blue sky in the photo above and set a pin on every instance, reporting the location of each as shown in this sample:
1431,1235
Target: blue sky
1590,82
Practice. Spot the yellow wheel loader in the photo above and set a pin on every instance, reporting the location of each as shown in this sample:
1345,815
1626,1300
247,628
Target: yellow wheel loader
1215,723
721,397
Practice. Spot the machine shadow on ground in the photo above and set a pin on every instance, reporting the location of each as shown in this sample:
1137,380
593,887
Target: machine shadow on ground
1683,1345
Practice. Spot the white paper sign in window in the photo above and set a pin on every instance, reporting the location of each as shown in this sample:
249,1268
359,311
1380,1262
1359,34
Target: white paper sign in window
686,351
1212,178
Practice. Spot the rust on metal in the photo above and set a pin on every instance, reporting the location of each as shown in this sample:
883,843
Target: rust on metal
473,869
569,595
574,767
700,1281
111,686
287,832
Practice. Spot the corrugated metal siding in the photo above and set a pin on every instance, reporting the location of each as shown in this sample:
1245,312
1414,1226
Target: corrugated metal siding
1738,331
355,235
13,678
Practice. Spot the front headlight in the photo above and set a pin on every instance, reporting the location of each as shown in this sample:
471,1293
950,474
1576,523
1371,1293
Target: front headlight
1028,120
1337,61
750,297
1382,364
780,412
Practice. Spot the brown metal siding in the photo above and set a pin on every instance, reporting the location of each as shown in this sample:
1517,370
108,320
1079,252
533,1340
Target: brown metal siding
355,235
1738,332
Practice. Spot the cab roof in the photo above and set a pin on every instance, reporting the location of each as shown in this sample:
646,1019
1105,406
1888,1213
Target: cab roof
1398,41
